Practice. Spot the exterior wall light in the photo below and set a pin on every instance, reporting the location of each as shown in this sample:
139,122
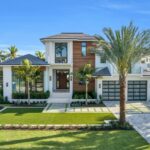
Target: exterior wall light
99,85
50,78
6,84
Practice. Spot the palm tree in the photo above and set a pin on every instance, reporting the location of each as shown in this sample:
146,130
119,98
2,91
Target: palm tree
12,52
123,48
27,73
40,54
84,74
3,55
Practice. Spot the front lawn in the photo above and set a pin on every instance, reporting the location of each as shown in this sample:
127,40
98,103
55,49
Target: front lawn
35,116
72,140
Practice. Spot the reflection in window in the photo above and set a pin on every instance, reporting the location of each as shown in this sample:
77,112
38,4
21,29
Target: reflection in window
83,48
60,52
18,85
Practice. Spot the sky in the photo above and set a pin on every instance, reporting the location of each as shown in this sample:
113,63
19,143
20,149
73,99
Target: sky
24,22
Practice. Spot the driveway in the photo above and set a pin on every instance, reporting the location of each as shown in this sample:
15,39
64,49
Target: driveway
137,114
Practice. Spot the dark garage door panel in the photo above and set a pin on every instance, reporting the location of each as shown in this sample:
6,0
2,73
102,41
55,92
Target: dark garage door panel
137,90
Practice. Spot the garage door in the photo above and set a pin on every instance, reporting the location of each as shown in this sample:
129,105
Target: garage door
137,90
110,90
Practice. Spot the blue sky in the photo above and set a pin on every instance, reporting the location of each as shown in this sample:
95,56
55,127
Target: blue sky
24,22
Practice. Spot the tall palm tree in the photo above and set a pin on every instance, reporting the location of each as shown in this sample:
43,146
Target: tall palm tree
40,54
123,48
12,52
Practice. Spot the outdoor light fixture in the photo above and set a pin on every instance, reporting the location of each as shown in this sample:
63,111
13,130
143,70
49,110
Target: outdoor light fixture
70,78
99,85
50,78
6,84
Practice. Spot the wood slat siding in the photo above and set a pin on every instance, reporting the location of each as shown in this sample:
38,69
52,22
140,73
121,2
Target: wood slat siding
79,61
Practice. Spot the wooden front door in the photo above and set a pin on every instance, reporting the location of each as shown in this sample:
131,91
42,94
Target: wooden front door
61,78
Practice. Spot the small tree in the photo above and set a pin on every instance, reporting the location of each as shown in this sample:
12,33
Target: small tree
84,74
28,73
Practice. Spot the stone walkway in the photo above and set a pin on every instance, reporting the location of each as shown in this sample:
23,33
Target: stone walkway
62,107
137,114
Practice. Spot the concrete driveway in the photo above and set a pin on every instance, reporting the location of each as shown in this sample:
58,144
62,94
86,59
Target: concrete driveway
137,114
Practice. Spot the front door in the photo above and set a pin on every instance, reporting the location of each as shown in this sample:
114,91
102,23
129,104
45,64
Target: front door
62,80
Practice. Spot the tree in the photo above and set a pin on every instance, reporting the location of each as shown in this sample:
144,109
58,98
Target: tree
27,73
3,55
84,74
40,54
12,52
123,48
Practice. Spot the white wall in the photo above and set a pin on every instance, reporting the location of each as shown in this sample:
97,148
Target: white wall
7,82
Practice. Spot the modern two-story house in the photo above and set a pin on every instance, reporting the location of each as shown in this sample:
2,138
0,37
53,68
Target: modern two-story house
66,53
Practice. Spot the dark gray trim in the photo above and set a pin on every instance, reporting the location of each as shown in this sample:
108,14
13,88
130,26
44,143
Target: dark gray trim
102,72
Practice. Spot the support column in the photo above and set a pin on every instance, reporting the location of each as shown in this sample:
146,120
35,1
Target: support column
46,79
7,82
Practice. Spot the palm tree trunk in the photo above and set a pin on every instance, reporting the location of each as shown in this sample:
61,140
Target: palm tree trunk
28,93
86,91
122,79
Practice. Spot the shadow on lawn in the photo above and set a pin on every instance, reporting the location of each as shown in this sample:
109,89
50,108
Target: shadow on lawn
104,140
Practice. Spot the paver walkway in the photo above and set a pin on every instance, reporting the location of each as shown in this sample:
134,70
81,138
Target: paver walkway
137,114
64,107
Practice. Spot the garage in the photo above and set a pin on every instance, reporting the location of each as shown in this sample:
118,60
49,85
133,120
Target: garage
110,90
137,90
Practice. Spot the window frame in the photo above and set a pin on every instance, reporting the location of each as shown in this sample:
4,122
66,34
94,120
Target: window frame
84,46
66,52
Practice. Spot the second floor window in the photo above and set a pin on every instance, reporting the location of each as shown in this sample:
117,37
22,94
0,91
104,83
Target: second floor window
61,53
83,49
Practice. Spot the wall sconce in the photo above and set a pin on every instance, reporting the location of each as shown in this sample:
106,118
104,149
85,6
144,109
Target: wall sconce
99,85
6,84
50,78
70,78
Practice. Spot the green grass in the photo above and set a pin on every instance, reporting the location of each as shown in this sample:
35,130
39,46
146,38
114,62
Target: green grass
72,140
35,116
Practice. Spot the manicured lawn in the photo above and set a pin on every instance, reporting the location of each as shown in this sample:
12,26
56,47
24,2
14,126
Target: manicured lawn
35,116
72,140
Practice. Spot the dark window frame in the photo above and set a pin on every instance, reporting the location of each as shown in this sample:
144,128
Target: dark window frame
56,58
84,46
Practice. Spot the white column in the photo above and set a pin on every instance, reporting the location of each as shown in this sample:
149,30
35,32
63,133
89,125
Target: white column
98,87
126,90
46,79
7,82
148,89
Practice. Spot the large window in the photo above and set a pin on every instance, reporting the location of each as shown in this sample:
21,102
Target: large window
61,53
83,49
18,85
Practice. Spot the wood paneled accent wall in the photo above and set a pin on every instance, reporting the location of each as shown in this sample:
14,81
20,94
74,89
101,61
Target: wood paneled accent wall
79,61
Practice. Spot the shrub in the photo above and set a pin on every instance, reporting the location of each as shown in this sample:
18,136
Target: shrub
34,95
4,101
81,95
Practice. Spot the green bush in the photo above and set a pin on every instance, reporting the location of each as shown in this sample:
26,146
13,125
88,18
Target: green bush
4,101
33,95
81,95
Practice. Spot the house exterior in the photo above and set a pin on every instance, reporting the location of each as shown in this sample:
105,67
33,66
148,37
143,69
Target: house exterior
66,53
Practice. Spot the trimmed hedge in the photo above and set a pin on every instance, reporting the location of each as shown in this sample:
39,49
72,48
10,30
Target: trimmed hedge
33,95
81,95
